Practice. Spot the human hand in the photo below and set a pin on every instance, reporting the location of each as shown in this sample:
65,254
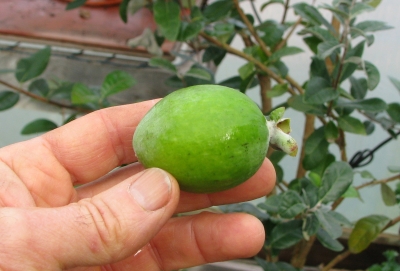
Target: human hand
118,220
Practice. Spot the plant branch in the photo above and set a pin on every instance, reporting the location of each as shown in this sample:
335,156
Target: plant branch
251,29
308,130
42,99
391,223
347,253
289,34
375,182
249,58
285,11
255,11
301,251
336,260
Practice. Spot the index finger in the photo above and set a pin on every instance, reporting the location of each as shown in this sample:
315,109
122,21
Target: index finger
93,145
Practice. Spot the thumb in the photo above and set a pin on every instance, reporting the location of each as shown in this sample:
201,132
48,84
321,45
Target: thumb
104,229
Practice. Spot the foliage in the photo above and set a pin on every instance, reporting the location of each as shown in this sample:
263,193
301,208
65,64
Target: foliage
389,265
340,93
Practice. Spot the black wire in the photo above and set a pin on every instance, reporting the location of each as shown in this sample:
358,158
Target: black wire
358,159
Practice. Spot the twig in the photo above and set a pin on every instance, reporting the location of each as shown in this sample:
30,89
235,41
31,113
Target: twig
255,11
391,223
289,34
301,251
285,11
249,58
375,182
308,130
246,21
336,260
42,99
347,253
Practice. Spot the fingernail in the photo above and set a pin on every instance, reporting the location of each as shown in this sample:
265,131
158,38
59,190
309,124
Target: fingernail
152,190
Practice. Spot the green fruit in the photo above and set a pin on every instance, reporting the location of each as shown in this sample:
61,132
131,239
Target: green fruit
209,137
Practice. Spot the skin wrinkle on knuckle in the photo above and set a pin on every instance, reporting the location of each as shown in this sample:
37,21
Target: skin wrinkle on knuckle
114,134
108,229
195,239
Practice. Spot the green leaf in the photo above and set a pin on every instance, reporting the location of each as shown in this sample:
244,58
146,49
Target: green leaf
236,82
244,207
291,204
315,149
167,17
285,51
365,231
279,68
8,99
277,114
189,30
312,43
39,87
373,105
318,69
297,103
327,241
286,234
327,48
395,82
336,180
351,125
218,10
70,118
393,111
373,3
115,82
81,94
214,54
351,192
248,82
372,75
323,164
372,26
318,32
123,10
4,71
388,195
200,73
33,66
75,4
246,70
277,90
359,87
329,223
394,169
38,126
263,6
319,91
63,90
271,205
359,8
272,32
366,174
310,225
349,67
162,63
341,219
312,15
331,132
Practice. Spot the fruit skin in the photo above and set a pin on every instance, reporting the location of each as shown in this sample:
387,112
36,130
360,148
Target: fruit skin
210,138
